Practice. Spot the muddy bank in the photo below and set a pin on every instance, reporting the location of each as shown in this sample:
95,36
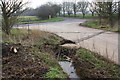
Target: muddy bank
57,50
17,62
92,65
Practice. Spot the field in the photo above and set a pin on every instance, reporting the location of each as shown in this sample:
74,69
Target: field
34,19
80,16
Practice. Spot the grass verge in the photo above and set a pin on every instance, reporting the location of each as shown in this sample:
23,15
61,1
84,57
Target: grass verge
34,19
80,16
35,37
95,24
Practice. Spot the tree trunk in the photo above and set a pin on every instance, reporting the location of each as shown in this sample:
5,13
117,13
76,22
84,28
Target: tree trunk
111,22
8,32
110,15
59,13
5,24
69,15
92,13
83,15
119,14
100,19
74,9
64,13
74,14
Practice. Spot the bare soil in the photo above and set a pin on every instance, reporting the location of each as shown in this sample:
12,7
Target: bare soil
21,64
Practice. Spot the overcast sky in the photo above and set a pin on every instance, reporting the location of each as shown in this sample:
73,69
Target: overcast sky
36,3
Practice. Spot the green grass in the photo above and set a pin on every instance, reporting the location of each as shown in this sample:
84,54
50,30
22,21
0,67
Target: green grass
34,19
91,24
99,62
80,16
52,20
95,24
55,69
15,36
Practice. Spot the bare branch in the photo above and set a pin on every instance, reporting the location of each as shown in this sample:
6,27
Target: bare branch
10,11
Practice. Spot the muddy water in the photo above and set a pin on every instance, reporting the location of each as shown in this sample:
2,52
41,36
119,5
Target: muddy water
69,69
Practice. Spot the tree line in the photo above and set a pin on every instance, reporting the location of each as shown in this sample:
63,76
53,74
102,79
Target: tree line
44,11
107,10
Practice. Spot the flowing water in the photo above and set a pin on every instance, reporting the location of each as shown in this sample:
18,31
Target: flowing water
69,69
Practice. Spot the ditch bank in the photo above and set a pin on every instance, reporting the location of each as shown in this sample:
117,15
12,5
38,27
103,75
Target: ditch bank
64,56
19,63
81,62
77,63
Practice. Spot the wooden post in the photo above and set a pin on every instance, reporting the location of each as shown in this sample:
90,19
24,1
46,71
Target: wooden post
28,27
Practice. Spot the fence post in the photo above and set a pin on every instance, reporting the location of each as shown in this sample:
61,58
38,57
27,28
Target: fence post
28,27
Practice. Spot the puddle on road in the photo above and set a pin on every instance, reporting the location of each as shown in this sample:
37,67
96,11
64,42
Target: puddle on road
69,69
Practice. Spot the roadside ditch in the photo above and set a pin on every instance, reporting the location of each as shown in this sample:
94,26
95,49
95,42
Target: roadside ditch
81,63
77,63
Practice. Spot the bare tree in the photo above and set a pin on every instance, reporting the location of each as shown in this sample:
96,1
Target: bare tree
82,6
119,14
68,7
106,10
29,12
74,9
98,10
10,11
56,8
63,8
92,8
